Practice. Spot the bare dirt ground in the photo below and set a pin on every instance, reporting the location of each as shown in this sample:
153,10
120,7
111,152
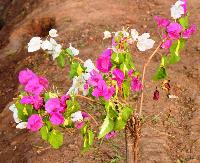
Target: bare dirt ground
172,129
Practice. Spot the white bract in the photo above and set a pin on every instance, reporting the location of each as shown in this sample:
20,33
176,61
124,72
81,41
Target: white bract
107,35
20,125
144,42
77,85
77,116
134,34
56,48
53,33
34,44
47,45
75,51
177,10
89,65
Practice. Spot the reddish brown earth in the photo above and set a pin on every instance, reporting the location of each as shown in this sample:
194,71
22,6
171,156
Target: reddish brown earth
171,132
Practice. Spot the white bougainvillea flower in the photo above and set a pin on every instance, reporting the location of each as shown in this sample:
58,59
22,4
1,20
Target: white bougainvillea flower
56,51
144,42
86,76
89,65
77,85
13,108
56,48
77,116
53,33
34,44
177,10
21,125
75,51
107,35
134,34
47,45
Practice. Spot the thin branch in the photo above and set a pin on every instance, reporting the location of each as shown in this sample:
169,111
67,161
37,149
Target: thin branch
143,75
78,59
93,119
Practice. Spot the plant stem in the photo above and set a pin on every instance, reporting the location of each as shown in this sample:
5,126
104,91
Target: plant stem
143,76
78,59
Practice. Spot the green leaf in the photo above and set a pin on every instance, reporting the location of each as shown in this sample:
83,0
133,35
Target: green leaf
107,127
75,70
69,51
124,67
49,95
56,139
160,74
119,124
72,107
24,111
164,61
126,89
44,132
61,60
126,113
174,50
117,58
184,22
110,109
90,137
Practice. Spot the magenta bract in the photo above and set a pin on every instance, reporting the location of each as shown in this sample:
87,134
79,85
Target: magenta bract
136,85
174,30
25,76
118,76
36,101
57,118
34,122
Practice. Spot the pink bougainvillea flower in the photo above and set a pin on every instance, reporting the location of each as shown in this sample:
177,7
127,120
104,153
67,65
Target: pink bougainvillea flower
33,86
57,118
107,53
130,72
174,30
79,125
103,63
63,100
44,82
136,85
103,91
110,135
189,32
34,122
167,44
95,77
156,95
162,22
110,91
118,76
184,6
53,105
25,76
36,101
85,116
100,89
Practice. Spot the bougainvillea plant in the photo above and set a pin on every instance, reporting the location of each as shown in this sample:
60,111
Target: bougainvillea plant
110,82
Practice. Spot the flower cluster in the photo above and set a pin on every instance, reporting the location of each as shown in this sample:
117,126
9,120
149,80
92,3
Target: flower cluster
109,82
49,44
178,28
